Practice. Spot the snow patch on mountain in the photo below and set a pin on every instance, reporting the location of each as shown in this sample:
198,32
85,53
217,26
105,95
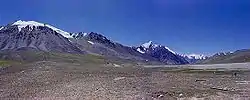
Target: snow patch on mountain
224,53
65,34
21,24
155,45
85,34
147,45
1,28
91,42
78,35
139,50
194,56
170,50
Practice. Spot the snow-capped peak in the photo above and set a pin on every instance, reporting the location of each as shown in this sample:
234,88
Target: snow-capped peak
153,46
85,34
195,56
21,24
147,44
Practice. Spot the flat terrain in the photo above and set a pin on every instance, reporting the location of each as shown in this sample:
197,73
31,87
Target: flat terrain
60,80
232,66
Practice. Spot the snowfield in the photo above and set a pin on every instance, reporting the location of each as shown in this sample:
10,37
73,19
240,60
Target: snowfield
21,24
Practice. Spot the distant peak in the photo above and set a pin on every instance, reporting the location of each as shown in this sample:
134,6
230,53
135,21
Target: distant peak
21,24
147,44
195,56
152,45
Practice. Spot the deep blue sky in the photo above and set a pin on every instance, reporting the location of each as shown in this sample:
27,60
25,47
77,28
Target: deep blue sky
186,26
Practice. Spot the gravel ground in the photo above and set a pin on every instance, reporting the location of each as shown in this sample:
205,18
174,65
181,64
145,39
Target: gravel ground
51,80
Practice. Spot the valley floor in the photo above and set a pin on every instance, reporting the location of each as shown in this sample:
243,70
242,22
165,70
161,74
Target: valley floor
53,80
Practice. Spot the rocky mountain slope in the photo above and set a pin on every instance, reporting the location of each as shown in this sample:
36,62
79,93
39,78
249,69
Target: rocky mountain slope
162,53
35,36
238,56
95,43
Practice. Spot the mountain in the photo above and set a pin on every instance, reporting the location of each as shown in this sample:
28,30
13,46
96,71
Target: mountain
95,43
238,56
162,53
196,56
152,49
35,36
32,35
98,44
193,58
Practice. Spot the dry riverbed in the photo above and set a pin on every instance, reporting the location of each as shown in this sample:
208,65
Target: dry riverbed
52,80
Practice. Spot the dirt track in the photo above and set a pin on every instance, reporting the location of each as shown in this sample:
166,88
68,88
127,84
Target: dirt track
51,80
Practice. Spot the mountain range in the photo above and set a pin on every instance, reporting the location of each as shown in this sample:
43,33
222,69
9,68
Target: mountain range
238,56
35,36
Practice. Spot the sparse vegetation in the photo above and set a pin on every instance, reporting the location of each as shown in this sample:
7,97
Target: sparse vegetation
208,71
80,73
4,63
